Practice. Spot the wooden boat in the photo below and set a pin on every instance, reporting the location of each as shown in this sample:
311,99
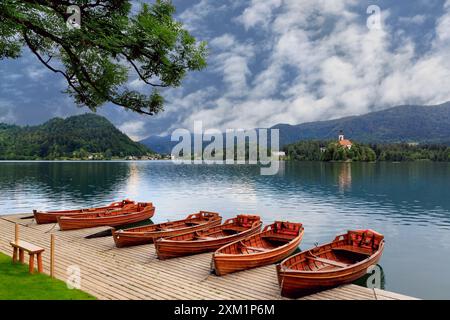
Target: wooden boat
209,239
148,234
342,261
43,217
273,244
142,211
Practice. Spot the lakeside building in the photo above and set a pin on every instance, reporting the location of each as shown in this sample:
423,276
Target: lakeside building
279,154
344,142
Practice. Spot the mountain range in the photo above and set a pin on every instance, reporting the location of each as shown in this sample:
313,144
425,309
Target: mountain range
407,123
76,137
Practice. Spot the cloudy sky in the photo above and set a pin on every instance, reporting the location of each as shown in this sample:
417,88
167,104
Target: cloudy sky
273,61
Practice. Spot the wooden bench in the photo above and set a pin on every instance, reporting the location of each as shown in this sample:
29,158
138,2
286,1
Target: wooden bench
19,247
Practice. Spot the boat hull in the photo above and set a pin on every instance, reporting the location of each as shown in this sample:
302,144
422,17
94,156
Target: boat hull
327,266
43,217
124,238
294,285
91,220
225,264
166,248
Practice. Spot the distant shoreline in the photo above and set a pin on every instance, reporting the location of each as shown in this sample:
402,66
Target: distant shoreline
59,160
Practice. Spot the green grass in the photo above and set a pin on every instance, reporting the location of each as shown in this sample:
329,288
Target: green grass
17,284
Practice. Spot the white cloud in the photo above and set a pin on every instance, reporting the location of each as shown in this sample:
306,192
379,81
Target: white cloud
443,26
417,19
137,84
231,59
136,130
36,73
192,17
259,13
223,42
6,112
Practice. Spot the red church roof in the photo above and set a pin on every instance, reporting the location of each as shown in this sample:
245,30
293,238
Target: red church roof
345,143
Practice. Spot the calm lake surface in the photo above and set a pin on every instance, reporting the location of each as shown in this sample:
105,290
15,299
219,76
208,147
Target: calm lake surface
408,202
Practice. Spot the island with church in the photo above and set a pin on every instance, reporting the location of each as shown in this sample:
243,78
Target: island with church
345,150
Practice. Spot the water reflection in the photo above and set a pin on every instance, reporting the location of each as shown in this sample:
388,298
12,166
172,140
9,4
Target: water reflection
28,185
345,177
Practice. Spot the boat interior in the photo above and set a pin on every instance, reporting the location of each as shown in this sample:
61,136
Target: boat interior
229,228
344,251
221,231
336,258
125,204
274,236
133,208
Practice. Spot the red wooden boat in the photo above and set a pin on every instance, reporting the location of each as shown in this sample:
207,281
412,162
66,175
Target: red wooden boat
142,211
43,217
209,239
342,261
148,234
273,244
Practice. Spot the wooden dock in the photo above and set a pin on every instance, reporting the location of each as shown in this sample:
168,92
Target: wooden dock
135,273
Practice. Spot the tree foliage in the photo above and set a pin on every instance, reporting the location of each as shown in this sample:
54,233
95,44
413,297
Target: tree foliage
112,44
358,152
332,151
305,150
407,152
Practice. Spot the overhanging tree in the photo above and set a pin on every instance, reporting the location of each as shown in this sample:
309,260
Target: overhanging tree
111,45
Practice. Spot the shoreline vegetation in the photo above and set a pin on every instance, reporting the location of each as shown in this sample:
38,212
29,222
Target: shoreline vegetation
331,151
94,157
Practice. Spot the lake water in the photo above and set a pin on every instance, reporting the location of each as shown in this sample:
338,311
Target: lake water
408,202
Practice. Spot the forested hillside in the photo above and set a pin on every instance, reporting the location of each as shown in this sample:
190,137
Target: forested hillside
87,136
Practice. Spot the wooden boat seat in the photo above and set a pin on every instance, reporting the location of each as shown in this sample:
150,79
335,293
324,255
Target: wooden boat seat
192,223
236,228
230,230
328,261
205,238
256,248
164,229
278,237
354,249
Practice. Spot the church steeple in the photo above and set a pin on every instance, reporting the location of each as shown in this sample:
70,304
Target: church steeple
341,135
